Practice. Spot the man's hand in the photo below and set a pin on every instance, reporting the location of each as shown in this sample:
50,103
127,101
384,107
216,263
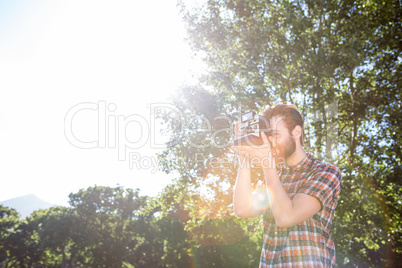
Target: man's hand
261,155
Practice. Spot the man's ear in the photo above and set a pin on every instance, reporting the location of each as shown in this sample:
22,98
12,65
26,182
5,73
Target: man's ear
297,132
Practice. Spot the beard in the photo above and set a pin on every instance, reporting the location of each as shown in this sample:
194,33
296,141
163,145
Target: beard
283,151
290,147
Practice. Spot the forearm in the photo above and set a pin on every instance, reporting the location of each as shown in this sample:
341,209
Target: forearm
242,192
242,198
281,204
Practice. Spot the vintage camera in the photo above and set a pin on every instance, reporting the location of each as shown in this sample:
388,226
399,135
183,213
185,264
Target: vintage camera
250,128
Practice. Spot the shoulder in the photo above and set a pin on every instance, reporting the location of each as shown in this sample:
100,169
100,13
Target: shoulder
326,174
320,167
324,181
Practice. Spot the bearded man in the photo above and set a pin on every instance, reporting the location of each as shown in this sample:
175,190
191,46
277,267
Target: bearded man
302,194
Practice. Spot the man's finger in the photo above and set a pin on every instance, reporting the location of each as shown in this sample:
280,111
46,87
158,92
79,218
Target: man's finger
265,139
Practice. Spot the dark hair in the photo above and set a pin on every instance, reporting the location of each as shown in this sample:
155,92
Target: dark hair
292,117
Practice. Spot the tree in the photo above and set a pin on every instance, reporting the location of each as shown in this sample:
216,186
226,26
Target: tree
340,64
59,234
9,220
114,229
23,245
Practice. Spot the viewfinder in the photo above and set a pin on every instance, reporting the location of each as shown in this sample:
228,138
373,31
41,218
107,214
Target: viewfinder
247,116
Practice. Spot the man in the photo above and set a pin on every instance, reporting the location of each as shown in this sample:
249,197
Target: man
302,194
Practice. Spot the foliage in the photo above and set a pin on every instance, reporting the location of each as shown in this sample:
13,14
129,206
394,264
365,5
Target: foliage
339,62
9,220
104,227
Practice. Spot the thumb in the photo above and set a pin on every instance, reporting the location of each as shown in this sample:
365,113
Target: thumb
265,139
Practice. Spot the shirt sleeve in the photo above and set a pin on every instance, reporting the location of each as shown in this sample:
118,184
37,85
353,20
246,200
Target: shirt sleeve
323,185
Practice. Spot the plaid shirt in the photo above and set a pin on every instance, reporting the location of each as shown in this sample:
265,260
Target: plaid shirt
307,244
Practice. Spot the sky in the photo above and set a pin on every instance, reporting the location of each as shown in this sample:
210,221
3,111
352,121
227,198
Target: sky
79,81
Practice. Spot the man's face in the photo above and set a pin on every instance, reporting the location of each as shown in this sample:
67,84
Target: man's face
282,142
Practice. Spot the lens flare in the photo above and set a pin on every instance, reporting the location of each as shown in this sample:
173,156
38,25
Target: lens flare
260,198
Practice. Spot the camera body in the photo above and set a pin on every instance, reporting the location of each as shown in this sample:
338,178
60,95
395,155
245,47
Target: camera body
250,127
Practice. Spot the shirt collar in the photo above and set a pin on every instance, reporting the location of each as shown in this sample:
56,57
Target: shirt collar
302,165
